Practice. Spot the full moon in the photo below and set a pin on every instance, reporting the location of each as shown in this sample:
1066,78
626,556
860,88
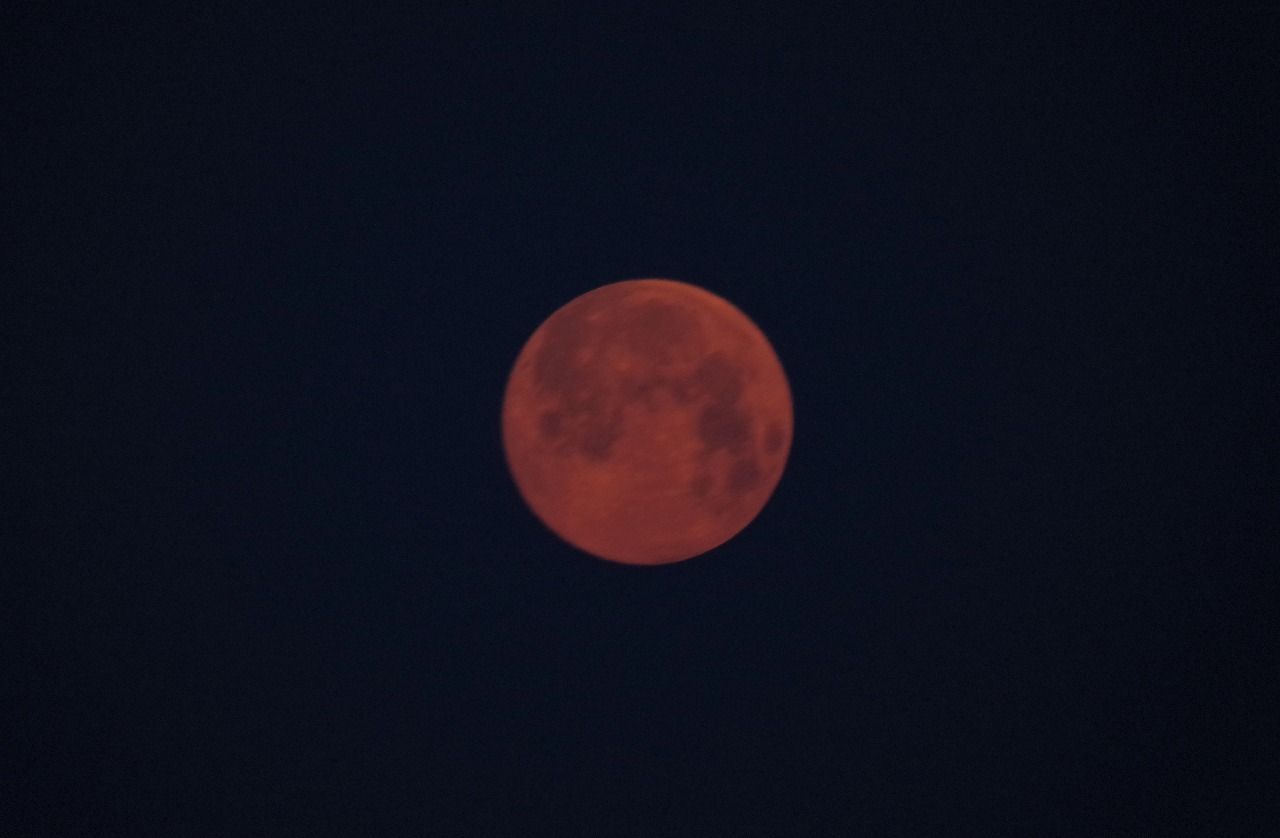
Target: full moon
647,421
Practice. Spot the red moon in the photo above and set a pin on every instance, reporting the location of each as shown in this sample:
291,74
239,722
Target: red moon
647,421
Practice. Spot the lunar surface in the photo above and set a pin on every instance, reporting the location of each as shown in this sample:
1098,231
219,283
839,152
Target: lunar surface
647,421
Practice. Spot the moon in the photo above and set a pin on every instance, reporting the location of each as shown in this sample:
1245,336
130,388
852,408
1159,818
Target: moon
647,421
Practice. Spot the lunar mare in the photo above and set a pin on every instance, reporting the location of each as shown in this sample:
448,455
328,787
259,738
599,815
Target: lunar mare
647,421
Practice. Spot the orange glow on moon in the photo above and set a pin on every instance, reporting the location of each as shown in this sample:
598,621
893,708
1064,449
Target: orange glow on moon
647,421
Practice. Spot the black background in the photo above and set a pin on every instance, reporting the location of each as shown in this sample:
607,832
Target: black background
267,272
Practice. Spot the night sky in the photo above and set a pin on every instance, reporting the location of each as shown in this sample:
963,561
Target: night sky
266,273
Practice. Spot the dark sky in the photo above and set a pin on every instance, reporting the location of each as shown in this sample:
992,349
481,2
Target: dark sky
266,273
